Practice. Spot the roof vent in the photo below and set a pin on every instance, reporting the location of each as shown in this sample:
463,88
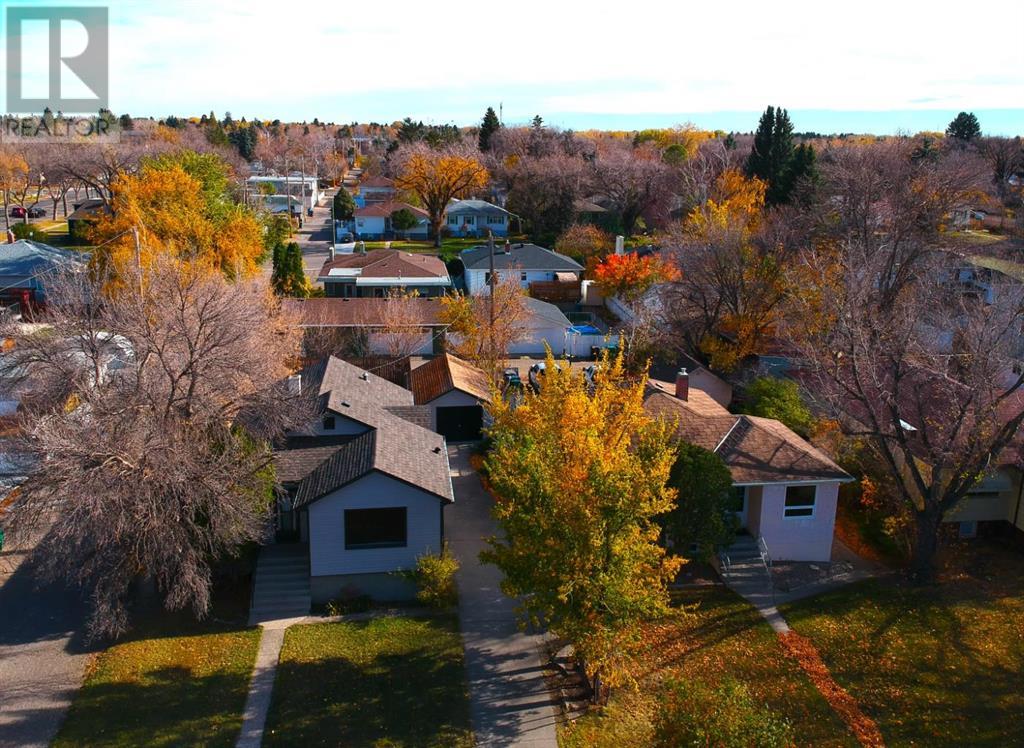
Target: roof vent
437,450
365,376
346,404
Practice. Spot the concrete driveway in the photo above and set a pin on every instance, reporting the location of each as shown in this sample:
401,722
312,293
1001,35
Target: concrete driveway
42,657
509,701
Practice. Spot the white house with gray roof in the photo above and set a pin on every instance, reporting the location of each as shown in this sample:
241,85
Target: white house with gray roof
476,218
365,487
521,263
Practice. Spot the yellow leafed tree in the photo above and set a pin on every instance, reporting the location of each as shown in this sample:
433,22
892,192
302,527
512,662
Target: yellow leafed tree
436,177
580,473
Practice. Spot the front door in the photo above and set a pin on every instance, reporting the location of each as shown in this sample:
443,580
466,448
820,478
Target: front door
739,505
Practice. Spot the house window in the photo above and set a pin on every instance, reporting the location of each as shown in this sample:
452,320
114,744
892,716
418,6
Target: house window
522,276
328,423
375,528
453,220
800,502
469,220
496,219
487,278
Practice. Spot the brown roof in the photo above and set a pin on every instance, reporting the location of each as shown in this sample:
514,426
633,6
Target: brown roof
338,312
756,450
377,181
387,263
446,373
387,208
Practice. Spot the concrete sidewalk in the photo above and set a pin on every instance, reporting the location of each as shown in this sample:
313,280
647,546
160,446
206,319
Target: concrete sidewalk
509,701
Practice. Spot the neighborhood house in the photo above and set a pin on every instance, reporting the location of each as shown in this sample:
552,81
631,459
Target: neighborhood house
380,271
785,489
520,263
476,218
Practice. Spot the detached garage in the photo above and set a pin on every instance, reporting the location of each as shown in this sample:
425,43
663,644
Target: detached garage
455,391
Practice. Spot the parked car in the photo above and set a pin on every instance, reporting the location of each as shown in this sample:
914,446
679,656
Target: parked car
346,238
36,212
17,212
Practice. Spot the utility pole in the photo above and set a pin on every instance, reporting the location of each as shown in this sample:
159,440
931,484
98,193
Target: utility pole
491,283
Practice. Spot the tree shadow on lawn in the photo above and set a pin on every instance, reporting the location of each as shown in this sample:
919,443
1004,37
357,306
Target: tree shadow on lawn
412,698
346,704
165,707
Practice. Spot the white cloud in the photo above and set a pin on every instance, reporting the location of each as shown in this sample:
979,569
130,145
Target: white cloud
641,56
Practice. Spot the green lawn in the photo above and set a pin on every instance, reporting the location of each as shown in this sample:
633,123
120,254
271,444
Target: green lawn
937,666
165,691
395,682
723,638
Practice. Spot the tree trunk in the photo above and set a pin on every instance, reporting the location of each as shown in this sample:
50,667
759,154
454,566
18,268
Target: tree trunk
436,226
926,543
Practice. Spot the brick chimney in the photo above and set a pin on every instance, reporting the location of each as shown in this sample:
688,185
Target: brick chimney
620,245
683,385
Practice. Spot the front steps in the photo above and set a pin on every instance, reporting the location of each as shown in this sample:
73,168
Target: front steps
281,584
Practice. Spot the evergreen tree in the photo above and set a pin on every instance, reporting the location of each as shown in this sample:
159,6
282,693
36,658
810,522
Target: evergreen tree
288,277
488,127
538,122
277,272
773,158
964,127
344,205
125,122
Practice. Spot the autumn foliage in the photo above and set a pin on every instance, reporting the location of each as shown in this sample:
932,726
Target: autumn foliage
629,276
177,213
436,177
580,476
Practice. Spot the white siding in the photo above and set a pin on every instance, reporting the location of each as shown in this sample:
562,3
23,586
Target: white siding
424,345
797,539
327,554
476,280
342,425
533,344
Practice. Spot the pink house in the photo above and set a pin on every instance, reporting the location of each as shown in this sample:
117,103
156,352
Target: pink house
786,489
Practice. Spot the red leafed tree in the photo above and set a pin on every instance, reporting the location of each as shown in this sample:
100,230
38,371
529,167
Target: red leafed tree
629,276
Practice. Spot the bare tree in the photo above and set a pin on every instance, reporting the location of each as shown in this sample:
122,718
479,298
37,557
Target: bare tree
909,360
149,431
402,331
636,182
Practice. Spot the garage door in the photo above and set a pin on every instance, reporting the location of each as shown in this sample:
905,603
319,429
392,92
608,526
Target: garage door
460,423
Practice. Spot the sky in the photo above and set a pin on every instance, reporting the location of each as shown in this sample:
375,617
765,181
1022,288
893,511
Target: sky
870,66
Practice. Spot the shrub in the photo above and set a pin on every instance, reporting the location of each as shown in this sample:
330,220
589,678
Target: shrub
780,399
27,231
704,515
692,714
435,578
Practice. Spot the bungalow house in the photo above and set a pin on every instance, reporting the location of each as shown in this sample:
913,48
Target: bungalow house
375,273
455,391
365,488
786,490
368,326
373,221
24,265
476,218
522,263
375,190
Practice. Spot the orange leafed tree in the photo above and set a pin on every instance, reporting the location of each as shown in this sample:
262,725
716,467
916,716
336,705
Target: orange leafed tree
629,276
438,176
174,214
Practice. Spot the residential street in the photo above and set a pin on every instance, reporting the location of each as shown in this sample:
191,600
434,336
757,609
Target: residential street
509,701
42,658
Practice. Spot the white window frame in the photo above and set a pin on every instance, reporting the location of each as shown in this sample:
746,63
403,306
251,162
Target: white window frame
813,506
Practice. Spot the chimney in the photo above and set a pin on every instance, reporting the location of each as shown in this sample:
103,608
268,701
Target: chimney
362,247
620,245
683,385
295,384
332,253
508,247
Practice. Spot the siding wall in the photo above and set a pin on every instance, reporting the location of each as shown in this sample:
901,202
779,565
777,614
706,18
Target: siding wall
448,400
327,554
798,539
342,425
476,280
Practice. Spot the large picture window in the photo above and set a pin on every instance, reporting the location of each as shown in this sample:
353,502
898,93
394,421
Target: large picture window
800,502
375,528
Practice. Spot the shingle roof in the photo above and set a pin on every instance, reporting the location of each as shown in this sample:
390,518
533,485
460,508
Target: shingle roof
395,444
756,450
389,207
360,312
475,207
522,256
379,182
446,373
384,263
395,447
26,257
544,314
